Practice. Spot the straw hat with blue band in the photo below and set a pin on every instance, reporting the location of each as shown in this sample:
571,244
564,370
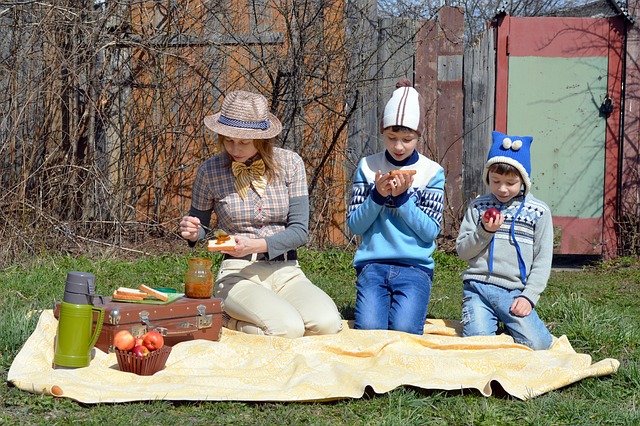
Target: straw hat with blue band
244,115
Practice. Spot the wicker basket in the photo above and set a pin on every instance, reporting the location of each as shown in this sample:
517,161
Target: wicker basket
143,366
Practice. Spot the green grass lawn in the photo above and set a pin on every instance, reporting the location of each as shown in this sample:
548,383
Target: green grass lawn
596,308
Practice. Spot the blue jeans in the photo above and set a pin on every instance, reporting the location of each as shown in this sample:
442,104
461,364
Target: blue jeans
392,297
483,305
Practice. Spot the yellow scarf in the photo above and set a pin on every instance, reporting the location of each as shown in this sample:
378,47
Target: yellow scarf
246,176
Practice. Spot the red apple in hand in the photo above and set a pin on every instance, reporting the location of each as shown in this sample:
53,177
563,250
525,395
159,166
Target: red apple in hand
152,340
124,340
140,351
492,213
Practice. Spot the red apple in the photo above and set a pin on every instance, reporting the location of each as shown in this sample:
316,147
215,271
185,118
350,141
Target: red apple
140,351
152,340
124,340
138,342
492,213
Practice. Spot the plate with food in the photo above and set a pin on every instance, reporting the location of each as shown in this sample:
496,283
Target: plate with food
144,294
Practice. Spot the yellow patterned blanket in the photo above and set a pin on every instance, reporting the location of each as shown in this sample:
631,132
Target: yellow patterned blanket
242,367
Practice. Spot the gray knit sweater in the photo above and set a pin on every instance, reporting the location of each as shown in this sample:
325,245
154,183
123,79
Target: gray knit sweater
534,234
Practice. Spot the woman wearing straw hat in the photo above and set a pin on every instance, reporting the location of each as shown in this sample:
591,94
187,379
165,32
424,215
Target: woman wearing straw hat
259,195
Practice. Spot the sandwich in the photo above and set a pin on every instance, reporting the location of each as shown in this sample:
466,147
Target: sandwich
126,293
225,244
140,294
401,171
222,241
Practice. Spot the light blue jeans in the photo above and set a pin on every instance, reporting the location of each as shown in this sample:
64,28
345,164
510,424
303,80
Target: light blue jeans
484,305
392,297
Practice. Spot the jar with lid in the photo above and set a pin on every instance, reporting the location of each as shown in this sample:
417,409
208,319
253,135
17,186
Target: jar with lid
198,281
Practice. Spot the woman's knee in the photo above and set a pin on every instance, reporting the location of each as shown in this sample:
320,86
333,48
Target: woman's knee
326,324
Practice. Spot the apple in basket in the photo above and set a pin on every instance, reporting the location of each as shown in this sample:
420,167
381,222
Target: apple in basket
124,340
152,340
140,351
147,356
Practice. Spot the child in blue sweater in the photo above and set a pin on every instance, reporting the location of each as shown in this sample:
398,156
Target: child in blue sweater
399,219
509,256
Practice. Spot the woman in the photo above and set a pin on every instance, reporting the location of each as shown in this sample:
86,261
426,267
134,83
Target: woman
260,197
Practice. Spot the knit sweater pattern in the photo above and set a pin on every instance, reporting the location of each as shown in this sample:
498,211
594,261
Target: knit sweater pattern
399,229
533,231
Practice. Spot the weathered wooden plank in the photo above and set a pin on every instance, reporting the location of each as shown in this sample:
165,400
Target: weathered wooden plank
479,103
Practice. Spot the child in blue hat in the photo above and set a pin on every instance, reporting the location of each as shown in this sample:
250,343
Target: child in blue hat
509,256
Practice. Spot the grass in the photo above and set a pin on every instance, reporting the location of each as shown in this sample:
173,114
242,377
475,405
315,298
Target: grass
596,307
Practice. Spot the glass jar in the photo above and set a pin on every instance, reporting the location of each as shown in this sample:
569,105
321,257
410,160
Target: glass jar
198,281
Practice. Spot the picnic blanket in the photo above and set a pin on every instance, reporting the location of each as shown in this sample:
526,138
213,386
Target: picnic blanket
242,367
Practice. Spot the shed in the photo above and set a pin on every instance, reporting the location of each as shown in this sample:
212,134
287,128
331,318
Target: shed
561,79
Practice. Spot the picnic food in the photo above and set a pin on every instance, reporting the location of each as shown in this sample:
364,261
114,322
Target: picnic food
401,171
225,244
56,390
147,357
198,281
141,346
124,340
155,293
222,241
152,340
126,293
491,213
140,351
144,292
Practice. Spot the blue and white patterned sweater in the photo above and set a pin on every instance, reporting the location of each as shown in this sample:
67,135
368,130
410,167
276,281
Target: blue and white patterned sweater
397,230
533,231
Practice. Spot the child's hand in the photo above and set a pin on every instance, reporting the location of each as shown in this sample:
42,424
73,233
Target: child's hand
400,183
493,224
521,307
383,183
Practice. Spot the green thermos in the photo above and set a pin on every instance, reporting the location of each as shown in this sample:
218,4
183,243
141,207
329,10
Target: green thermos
76,333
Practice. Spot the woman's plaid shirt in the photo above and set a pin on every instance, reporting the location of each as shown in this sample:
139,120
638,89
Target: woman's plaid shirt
254,217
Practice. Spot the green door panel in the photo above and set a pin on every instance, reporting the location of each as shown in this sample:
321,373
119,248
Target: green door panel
556,100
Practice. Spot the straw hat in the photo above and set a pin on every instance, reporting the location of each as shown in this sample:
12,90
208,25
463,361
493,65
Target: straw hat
244,115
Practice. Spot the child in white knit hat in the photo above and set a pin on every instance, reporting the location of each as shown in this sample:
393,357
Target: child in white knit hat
396,205
508,252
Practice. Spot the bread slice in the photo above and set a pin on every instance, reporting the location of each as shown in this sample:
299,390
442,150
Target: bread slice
126,296
226,243
126,293
153,292
401,171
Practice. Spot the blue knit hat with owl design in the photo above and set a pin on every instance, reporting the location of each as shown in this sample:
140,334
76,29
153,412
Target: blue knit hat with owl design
513,150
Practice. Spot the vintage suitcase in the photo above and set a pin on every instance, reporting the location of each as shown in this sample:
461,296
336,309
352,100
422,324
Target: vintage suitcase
178,321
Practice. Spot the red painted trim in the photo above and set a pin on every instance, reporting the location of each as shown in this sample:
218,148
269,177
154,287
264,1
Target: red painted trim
578,236
502,73
590,37
610,238
572,37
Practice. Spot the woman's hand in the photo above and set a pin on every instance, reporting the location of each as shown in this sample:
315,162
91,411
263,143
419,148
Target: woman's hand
245,246
189,228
